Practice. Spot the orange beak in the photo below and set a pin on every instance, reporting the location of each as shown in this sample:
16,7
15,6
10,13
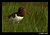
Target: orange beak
27,11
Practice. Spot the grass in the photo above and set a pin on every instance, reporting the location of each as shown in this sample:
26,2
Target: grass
35,21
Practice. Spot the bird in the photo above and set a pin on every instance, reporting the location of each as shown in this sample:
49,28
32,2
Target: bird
18,16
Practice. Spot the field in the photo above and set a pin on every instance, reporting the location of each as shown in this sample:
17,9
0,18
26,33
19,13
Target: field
35,21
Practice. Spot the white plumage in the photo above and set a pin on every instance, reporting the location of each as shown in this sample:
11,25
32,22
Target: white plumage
16,18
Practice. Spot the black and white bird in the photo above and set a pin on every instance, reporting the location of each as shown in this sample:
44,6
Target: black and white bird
18,16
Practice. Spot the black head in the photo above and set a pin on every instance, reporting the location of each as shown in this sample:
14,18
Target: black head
21,11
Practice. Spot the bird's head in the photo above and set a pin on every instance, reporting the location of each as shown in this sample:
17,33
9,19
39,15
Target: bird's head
22,10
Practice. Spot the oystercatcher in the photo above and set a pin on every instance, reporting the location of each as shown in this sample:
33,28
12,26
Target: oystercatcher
18,16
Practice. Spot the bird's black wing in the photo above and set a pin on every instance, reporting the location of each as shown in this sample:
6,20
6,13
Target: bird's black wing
12,15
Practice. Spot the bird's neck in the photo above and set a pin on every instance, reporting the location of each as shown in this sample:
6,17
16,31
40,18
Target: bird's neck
20,14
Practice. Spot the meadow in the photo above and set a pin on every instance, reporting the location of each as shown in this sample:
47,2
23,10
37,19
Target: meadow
35,21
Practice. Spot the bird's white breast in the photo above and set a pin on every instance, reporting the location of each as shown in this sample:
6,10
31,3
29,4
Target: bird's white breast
17,18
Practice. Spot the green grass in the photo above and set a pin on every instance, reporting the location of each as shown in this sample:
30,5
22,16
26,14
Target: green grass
35,21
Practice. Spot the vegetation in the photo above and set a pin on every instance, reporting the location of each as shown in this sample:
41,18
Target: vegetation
35,21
